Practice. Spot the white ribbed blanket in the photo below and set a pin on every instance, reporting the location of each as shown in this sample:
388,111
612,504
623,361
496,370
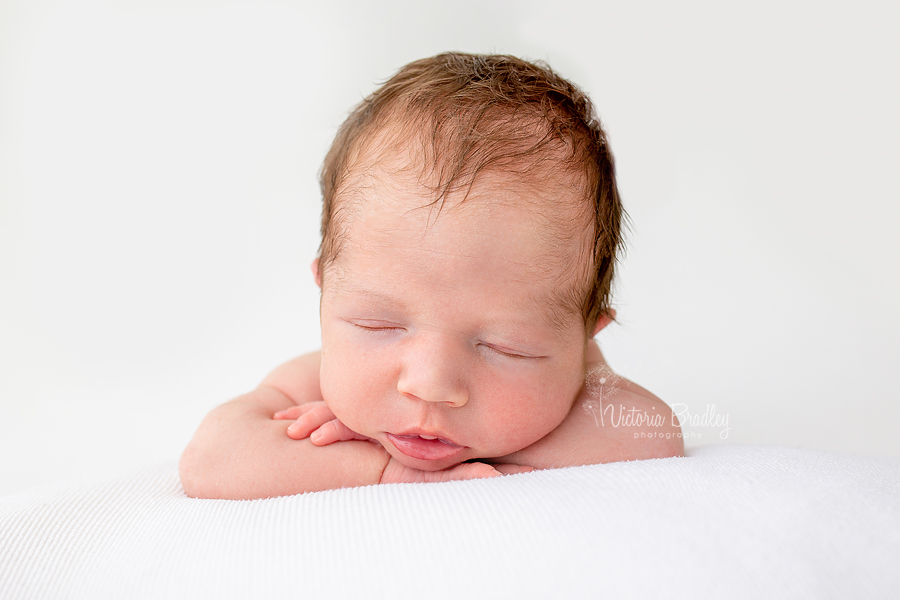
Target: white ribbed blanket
725,522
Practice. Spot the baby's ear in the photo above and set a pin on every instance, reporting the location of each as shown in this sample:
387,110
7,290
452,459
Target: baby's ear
604,320
315,272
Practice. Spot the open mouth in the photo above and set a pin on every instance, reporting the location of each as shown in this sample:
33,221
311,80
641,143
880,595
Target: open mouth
424,447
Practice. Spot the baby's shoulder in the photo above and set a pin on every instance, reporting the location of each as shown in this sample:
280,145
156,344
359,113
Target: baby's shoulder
298,379
639,423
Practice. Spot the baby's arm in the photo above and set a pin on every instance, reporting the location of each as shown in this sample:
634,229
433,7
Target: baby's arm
240,452
246,449
621,422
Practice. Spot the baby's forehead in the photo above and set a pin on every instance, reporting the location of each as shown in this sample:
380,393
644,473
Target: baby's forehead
564,227
401,183
552,209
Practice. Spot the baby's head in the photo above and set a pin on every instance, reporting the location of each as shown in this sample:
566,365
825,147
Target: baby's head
470,228
442,123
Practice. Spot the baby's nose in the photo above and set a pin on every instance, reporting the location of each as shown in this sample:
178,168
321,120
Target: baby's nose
434,371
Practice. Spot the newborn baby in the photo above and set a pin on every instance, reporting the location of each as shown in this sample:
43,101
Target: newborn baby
470,229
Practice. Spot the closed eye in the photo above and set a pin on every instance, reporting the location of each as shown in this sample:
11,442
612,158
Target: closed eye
376,325
507,353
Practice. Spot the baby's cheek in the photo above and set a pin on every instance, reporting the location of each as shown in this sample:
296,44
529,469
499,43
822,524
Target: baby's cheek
335,388
546,411
515,424
327,378
351,396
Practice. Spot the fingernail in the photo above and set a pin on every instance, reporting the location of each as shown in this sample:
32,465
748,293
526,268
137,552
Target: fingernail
315,435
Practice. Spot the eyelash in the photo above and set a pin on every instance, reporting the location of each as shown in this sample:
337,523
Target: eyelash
379,328
490,349
506,354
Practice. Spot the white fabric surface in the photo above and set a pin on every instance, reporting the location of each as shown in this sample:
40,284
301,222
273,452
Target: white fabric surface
725,522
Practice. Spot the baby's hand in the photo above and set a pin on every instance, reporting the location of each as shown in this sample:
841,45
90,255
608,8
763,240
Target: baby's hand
396,472
316,421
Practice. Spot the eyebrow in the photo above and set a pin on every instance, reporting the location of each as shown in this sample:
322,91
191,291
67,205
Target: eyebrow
367,294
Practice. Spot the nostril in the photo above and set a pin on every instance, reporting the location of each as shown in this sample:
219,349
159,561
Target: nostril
452,398
437,381
459,398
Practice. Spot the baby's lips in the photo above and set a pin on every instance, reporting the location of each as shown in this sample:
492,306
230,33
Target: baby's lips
424,448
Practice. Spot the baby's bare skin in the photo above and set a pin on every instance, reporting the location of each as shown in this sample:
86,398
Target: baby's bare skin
596,430
271,453
593,432
441,336
260,459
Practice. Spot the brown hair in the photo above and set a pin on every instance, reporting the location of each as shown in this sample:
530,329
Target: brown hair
471,113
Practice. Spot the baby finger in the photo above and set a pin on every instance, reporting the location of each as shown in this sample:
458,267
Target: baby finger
312,419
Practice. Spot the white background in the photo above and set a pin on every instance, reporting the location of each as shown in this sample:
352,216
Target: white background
159,206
